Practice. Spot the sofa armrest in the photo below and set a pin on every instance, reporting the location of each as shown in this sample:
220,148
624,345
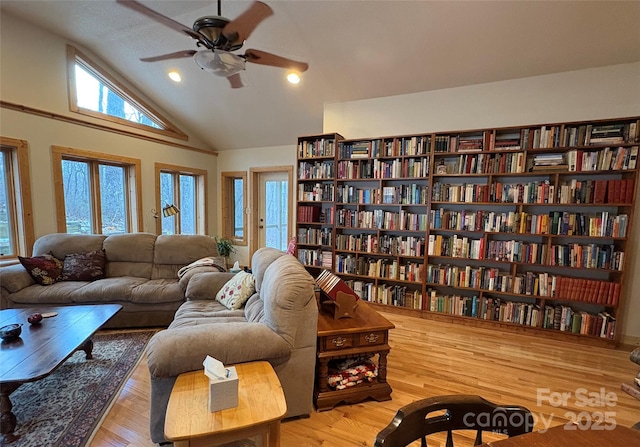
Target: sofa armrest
174,351
203,284
15,278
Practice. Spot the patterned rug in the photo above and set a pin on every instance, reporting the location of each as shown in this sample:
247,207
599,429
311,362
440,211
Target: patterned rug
65,408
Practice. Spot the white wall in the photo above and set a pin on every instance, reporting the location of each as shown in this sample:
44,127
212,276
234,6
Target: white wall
33,73
243,160
607,92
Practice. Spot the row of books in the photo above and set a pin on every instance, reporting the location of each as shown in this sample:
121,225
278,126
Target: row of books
383,169
316,170
486,163
315,236
316,192
389,294
615,191
379,268
517,251
574,224
380,219
607,159
315,258
404,146
455,246
589,256
465,192
322,147
408,194
560,318
384,244
481,278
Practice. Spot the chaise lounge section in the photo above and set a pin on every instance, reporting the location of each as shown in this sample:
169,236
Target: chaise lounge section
278,323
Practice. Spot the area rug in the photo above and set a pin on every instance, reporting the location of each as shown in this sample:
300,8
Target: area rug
64,409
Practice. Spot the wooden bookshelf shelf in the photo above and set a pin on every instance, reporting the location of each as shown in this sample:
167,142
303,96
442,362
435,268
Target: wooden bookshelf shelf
530,224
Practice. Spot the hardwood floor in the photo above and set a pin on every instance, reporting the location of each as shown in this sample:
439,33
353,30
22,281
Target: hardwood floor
431,358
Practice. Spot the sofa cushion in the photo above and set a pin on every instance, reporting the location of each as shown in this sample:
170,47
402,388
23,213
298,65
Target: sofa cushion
254,309
210,309
108,290
157,291
45,269
61,292
174,251
130,254
261,259
202,284
84,266
61,244
237,290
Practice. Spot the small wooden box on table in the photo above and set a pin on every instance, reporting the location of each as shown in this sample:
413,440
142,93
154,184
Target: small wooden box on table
366,332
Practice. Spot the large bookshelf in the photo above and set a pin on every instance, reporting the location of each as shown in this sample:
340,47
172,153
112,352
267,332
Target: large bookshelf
525,227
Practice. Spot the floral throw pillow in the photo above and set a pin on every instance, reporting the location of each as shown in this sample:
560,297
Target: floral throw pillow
84,266
237,291
45,269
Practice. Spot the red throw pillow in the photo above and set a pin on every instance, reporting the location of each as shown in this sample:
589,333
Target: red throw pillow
84,266
45,269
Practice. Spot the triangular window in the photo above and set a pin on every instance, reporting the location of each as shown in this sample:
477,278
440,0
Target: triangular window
93,92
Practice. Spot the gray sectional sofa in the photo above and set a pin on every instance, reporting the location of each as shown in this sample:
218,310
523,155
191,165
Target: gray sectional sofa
141,274
278,323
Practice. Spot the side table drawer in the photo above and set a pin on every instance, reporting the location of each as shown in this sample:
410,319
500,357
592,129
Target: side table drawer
335,342
372,338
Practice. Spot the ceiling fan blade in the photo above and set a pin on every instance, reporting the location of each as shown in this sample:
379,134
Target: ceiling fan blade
240,28
164,57
235,81
264,58
177,26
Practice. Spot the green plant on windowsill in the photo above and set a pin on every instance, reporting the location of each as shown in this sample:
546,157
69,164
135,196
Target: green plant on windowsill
225,246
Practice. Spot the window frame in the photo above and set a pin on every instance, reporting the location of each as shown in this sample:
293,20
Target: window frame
75,56
133,176
201,211
229,204
19,196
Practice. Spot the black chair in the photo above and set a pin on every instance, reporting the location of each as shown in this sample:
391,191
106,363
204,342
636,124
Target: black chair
461,412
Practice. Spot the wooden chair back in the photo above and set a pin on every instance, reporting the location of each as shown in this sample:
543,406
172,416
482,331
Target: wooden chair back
461,412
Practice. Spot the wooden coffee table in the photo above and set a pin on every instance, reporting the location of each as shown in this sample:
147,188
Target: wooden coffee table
43,347
261,406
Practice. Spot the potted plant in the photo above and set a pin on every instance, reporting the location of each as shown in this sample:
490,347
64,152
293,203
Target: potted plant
225,247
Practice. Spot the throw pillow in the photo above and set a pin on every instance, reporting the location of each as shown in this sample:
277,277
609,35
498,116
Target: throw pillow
291,248
237,291
84,266
45,269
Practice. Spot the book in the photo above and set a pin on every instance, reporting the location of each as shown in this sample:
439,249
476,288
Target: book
331,284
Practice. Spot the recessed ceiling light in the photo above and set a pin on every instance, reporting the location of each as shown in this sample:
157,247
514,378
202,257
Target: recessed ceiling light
175,76
293,77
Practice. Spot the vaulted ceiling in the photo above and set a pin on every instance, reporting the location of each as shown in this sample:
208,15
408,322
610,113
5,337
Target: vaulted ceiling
355,49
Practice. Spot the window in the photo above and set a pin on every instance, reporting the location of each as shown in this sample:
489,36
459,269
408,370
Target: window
16,222
96,193
234,193
185,189
94,93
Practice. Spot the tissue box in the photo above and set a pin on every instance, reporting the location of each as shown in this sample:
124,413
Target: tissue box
223,393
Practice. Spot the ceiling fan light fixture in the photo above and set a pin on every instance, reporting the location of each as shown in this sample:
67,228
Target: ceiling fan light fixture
174,76
219,62
293,77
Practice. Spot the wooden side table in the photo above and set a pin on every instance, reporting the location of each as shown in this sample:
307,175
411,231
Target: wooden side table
366,333
261,406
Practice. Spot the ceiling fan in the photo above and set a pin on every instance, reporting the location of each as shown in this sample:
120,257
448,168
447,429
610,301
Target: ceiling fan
219,37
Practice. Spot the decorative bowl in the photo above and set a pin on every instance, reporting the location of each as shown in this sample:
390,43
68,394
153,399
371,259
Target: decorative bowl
10,331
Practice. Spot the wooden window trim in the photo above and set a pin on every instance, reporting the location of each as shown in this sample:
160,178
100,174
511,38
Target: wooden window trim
201,195
133,170
24,235
227,192
73,56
